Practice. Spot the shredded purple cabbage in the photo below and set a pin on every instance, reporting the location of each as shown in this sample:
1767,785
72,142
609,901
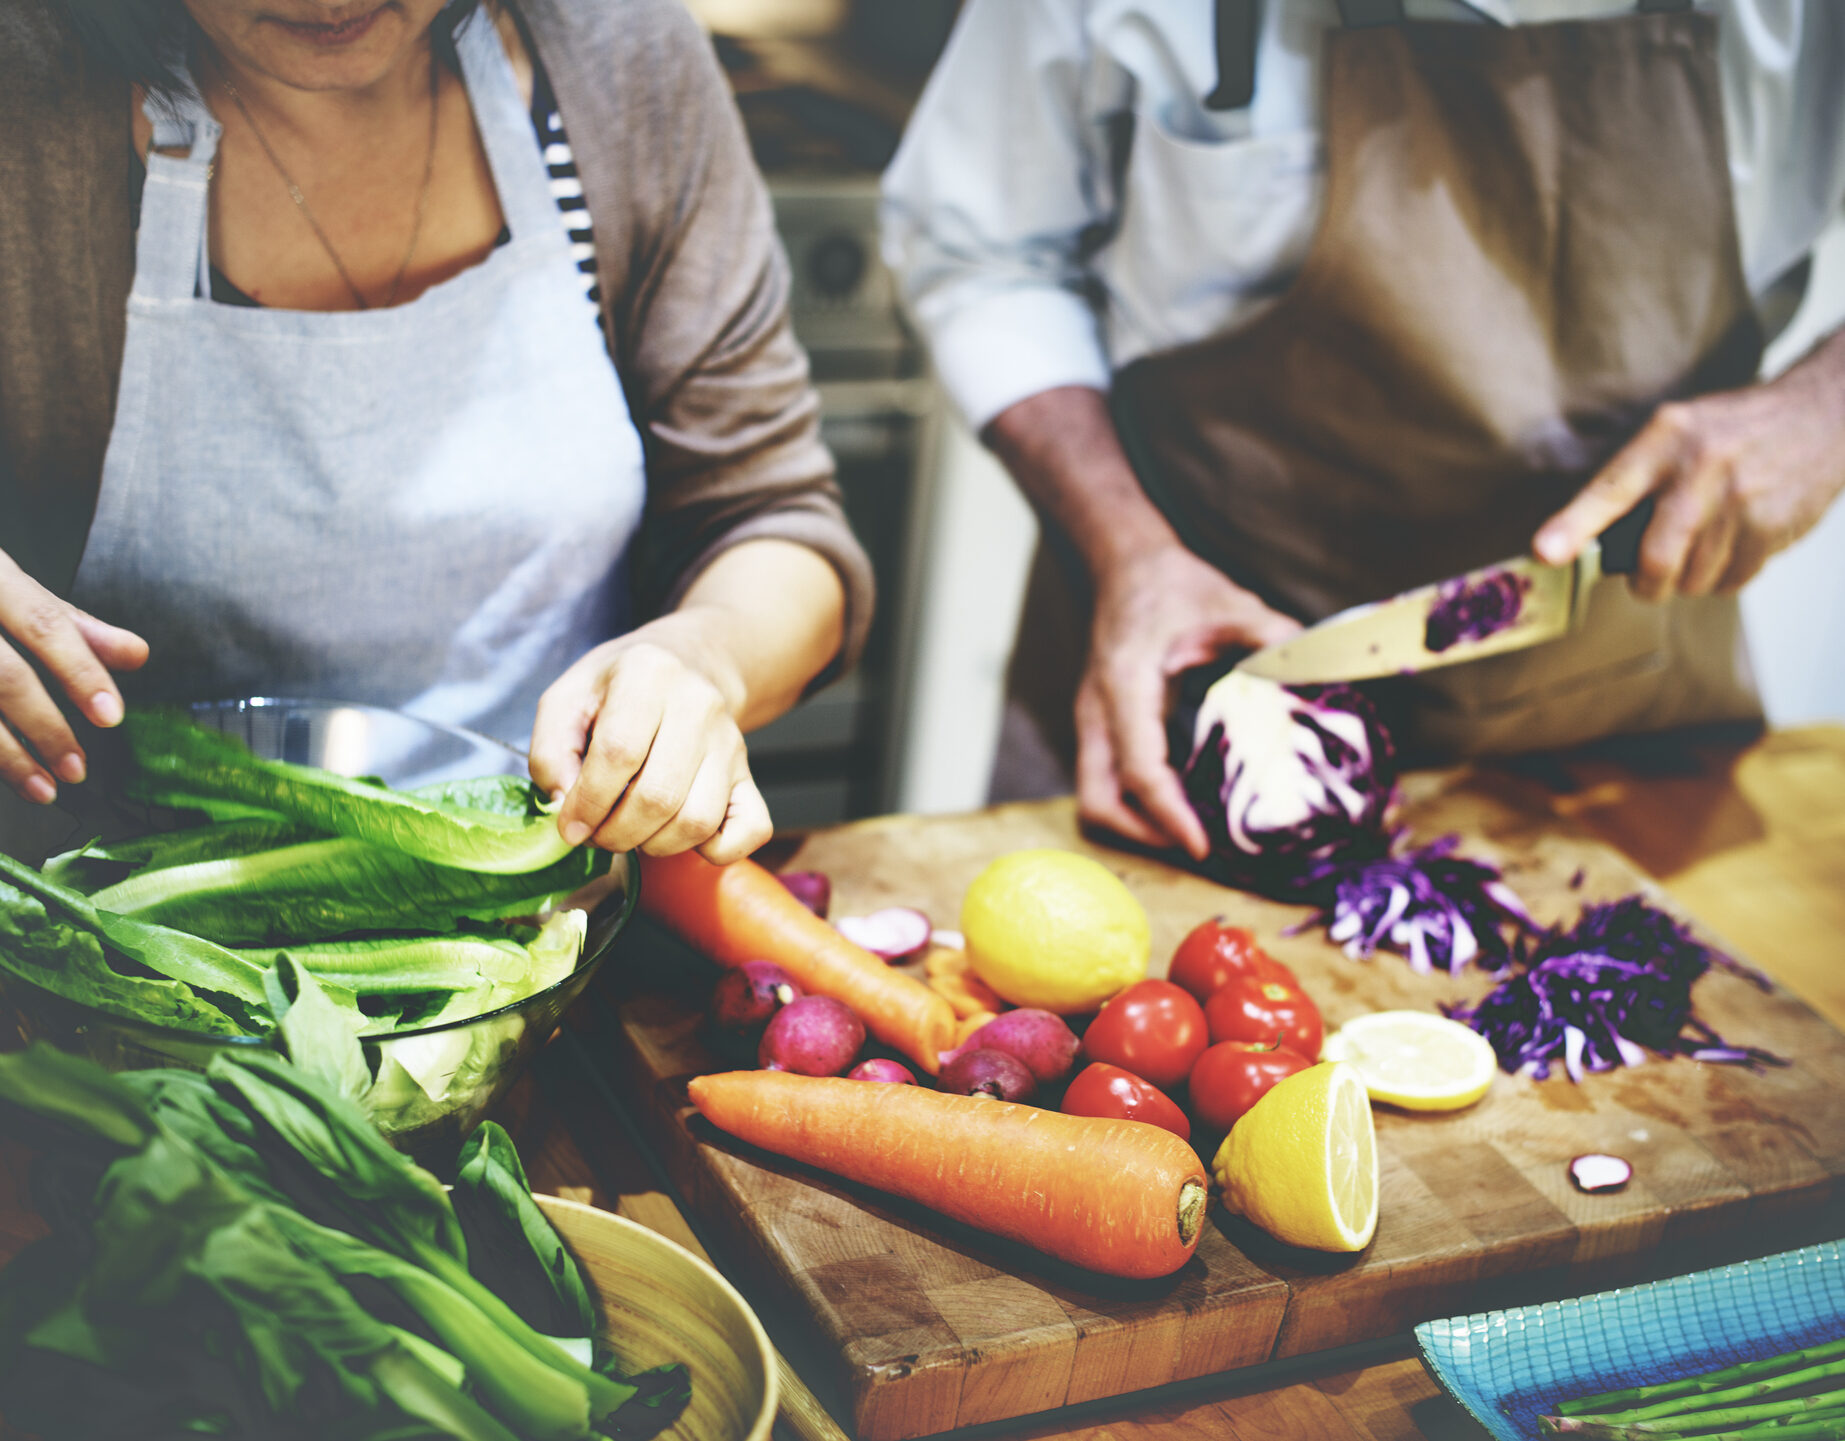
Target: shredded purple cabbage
1436,908
1472,609
1606,991
1291,783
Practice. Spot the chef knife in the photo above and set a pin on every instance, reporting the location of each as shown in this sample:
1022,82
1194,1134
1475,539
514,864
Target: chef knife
1393,637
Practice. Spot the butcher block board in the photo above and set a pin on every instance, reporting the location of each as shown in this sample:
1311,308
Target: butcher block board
915,1325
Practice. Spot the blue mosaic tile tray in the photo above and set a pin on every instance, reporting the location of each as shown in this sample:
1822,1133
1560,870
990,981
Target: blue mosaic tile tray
1508,1367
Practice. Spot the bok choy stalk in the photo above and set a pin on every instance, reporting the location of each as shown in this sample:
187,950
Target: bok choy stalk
170,750
209,1284
326,888
58,939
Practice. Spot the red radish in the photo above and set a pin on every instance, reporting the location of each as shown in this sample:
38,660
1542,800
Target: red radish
748,996
812,1036
741,912
1040,1039
1119,1197
988,1073
811,888
895,933
879,1069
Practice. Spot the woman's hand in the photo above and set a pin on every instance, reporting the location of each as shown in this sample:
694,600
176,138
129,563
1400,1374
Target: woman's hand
643,737
77,652
1156,615
1738,476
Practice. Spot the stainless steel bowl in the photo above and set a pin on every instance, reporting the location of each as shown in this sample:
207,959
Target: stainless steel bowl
486,1053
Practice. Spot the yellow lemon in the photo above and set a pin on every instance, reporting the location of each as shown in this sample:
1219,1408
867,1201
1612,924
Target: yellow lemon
1055,930
1415,1059
1302,1162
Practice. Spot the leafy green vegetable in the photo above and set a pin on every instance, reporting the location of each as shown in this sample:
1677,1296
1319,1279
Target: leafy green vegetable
390,964
169,747
254,1261
321,889
69,962
511,1246
167,952
93,866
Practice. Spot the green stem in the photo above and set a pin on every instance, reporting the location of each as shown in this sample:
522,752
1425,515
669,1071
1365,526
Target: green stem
1710,1400
1610,1401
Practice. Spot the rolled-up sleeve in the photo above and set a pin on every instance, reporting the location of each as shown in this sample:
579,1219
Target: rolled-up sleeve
997,189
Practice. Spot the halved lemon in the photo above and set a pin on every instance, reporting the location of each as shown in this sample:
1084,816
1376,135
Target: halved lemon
1415,1060
1302,1162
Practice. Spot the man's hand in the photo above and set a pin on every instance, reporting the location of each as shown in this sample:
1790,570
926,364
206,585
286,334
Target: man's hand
1157,614
1737,476
77,652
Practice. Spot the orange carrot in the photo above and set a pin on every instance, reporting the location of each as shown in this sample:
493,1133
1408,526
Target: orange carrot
1120,1197
741,912
968,1024
952,978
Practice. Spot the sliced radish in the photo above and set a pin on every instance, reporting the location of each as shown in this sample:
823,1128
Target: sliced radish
811,888
1596,1173
948,940
895,933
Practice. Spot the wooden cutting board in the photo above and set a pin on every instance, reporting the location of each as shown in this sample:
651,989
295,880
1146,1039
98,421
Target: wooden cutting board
919,1326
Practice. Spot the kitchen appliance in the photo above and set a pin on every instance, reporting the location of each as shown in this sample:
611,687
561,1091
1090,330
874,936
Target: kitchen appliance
824,113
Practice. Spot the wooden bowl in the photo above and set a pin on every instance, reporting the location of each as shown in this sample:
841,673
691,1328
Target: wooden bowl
661,1303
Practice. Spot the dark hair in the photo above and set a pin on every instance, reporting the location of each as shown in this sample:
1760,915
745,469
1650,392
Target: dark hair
142,40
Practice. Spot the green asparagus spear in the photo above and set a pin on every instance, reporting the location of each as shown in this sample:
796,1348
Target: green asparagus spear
1608,1401
1826,1406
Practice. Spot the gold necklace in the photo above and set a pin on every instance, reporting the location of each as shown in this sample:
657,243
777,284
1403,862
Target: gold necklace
307,214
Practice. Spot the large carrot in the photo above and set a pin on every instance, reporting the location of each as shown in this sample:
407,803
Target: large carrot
741,912
1120,1197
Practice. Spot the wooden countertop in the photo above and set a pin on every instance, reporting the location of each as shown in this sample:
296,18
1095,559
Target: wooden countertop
1751,840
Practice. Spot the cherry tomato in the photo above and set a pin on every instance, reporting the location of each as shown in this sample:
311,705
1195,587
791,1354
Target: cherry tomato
1153,1029
1247,1009
1104,1090
1217,952
1232,1076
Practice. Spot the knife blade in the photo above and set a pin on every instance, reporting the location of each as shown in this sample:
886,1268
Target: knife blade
1394,636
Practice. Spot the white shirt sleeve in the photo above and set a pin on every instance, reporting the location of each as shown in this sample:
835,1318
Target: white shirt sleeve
1001,178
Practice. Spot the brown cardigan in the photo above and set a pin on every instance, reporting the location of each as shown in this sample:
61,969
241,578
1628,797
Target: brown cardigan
694,286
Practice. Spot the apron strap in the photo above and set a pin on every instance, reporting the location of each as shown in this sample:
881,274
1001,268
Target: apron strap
173,260
1236,23
513,155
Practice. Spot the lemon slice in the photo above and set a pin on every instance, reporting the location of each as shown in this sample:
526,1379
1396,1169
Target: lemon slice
1419,1061
1302,1163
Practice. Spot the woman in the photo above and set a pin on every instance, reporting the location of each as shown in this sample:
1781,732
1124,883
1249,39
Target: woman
364,434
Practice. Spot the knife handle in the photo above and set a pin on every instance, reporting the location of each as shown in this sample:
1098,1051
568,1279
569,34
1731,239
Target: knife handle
1621,541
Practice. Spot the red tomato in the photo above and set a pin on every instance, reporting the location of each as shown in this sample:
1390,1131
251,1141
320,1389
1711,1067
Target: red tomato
1232,1076
1104,1090
1248,1009
1153,1029
1216,953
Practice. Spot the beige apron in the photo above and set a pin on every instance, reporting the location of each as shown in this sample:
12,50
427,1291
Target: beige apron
1527,243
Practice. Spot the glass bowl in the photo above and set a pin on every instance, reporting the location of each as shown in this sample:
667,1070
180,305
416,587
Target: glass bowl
432,1084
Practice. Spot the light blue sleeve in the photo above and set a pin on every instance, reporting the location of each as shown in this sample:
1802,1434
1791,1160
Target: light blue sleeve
1001,180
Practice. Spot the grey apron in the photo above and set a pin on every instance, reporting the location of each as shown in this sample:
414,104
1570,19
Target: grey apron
1527,243
427,507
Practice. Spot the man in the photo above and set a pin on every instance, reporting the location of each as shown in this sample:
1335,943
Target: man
1272,308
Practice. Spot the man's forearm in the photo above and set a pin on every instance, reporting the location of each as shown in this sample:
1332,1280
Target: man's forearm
1062,449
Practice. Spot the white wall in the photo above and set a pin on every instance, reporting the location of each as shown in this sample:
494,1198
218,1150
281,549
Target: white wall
981,536
1794,612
